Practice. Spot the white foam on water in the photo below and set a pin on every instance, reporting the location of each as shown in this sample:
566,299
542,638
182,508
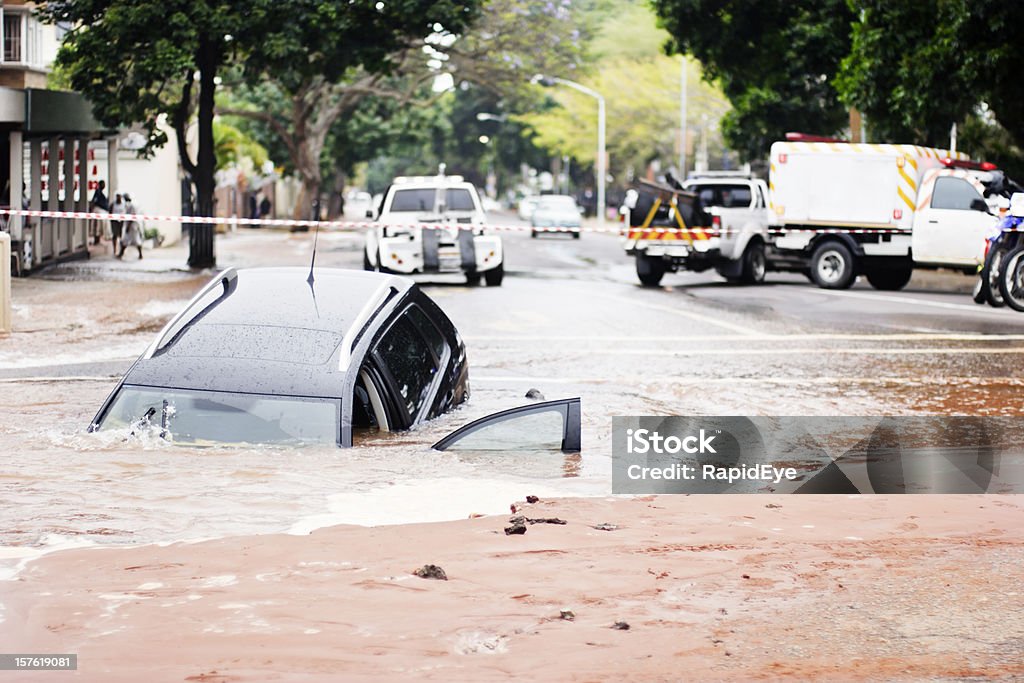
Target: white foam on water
436,500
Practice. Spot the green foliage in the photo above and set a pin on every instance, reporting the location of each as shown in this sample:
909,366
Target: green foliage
774,59
916,68
232,146
641,89
131,59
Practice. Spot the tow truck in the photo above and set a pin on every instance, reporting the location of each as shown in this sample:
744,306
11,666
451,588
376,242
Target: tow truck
433,224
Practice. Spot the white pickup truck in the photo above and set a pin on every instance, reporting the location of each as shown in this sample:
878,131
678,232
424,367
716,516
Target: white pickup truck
739,209
721,224
433,225
841,210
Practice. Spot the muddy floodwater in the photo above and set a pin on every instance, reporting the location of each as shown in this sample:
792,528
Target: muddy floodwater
571,326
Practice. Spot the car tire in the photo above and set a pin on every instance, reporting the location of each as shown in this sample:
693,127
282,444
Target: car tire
832,266
755,264
366,262
650,270
472,278
1011,279
533,234
494,276
890,279
576,235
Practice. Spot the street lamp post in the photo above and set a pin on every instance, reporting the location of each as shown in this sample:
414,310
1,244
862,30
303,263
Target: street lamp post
602,170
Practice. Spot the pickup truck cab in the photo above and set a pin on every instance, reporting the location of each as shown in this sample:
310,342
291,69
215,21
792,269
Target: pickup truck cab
739,208
433,225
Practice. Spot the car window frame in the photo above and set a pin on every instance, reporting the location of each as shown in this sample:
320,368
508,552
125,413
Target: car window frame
568,407
387,379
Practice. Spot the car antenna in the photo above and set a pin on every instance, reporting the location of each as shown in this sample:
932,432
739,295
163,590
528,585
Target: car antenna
310,279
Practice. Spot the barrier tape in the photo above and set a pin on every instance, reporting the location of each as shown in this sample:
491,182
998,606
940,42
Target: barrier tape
621,230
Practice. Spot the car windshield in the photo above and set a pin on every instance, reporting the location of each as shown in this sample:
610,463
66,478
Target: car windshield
200,417
557,204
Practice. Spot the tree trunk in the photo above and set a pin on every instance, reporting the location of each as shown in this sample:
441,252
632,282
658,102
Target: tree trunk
201,250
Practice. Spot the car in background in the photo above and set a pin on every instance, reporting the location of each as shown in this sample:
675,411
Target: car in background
433,225
556,213
269,356
526,207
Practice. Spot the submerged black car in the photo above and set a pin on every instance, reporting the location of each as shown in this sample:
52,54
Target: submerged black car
269,355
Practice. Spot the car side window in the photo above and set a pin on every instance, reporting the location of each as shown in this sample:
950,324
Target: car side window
953,193
409,360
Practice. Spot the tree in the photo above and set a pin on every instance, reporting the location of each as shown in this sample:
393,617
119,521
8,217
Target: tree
916,68
312,71
775,61
139,62
495,46
641,88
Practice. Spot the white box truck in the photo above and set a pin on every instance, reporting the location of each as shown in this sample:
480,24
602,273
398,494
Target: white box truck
844,209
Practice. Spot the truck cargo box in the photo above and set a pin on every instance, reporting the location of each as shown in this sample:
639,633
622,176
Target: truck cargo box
834,184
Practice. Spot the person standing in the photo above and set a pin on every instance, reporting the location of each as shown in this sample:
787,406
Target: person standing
115,226
132,229
99,202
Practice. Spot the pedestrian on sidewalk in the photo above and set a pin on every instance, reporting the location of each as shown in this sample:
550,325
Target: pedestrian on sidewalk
115,226
132,229
99,203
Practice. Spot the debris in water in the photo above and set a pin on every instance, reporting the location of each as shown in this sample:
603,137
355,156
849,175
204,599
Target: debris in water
532,499
517,526
431,571
620,626
545,520
535,395
605,527
513,508
772,506
567,615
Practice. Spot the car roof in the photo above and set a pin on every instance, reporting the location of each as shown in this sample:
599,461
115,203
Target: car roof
268,331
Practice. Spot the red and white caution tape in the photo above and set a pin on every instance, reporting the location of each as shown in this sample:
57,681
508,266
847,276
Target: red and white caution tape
617,229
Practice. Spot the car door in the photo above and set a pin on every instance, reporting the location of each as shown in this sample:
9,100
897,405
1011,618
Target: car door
548,426
952,229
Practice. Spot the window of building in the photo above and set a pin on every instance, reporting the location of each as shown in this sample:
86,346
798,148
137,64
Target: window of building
12,25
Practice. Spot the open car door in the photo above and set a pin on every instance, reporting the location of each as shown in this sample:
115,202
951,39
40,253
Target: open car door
552,425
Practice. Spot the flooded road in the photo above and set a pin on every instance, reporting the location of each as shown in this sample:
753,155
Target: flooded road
569,321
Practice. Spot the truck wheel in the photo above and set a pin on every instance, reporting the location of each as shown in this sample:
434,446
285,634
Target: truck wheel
832,266
366,261
472,278
890,279
533,234
649,269
1011,279
754,264
494,276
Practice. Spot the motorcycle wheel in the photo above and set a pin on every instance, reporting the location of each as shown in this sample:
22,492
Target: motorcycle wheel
1011,279
987,288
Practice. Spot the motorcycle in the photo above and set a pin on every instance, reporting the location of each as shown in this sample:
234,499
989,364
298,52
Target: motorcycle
1010,277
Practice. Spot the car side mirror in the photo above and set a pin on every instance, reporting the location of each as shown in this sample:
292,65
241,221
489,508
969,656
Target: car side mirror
979,205
369,213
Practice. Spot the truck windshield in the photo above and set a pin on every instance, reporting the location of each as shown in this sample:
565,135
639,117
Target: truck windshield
205,417
413,200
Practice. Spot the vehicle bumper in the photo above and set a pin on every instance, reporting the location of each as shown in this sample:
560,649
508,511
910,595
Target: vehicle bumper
405,255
